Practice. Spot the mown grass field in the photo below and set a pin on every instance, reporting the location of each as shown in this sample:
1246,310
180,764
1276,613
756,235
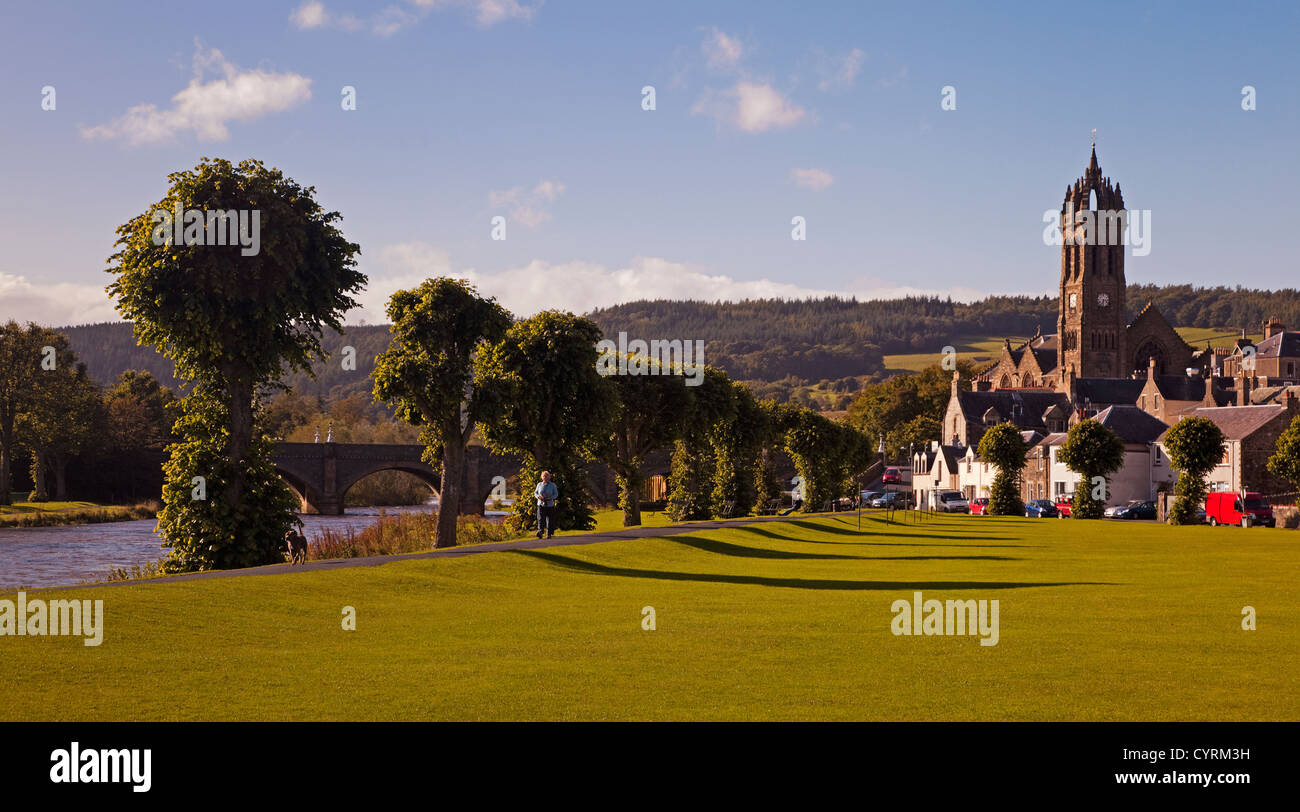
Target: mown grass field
791,620
987,349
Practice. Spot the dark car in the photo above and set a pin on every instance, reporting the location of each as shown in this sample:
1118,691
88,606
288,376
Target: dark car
1040,509
1137,510
892,499
892,476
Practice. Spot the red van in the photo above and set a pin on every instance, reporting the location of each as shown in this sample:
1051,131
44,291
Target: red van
1245,509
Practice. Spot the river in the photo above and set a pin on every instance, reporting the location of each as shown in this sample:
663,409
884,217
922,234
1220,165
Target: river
58,556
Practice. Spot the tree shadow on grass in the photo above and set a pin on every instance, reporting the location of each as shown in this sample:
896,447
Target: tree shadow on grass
742,551
590,568
762,531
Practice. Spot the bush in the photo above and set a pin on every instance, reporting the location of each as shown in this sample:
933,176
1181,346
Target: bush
402,533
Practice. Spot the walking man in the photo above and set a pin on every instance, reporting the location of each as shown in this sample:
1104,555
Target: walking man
547,494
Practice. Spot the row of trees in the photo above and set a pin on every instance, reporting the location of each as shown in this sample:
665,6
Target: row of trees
52,413
456,364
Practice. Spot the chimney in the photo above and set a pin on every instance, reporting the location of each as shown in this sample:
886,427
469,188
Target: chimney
1151,369
1272,327
1243,389
1290,400
956,379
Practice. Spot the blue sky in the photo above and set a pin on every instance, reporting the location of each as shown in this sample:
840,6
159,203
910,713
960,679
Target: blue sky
467,109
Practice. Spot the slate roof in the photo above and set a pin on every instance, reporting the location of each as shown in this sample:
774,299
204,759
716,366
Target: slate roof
1108,391
1180,387
952,453
1237,422
1131,424
1271,394
1023,407
1279,345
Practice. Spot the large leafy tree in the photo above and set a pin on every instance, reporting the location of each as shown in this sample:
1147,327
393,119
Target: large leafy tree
22,358
1285,462
908,408
649,415
65,418
691,494
232,324
1004,448
543,398
738,443
1090,450
1195,445
427,375
825,452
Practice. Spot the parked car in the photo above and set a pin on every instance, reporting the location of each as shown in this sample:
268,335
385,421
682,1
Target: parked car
1064,506
1137,510
1112,511
1245,509
1040,509
892,476
951,502
870,496
980,507
890,499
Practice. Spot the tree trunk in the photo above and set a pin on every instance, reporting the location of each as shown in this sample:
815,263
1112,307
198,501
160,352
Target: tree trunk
6,458
39,493
629,496
241,437
61,478
453,468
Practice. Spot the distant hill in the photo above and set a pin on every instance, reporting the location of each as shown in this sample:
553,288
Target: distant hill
110,348
783,344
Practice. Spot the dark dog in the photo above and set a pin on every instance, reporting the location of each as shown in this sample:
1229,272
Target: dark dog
297,544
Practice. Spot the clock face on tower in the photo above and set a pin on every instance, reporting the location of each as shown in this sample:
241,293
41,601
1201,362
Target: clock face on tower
1103,299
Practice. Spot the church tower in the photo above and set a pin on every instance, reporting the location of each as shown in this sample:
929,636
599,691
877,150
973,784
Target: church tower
1092,323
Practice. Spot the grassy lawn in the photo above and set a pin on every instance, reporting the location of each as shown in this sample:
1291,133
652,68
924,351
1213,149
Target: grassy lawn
1098,620
45,507
986,349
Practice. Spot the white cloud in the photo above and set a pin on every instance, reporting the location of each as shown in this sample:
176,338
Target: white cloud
841,73
55,304
309,15
397,16
539,285
721,52
206,108
811,178
582,286
528,206
751,107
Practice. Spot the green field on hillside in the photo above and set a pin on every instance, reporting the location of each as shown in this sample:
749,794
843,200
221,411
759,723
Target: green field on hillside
987,349
790,620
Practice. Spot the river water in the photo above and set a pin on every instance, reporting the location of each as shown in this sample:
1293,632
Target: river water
58,556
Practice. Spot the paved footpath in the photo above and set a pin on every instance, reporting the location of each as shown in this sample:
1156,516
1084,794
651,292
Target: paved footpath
477,549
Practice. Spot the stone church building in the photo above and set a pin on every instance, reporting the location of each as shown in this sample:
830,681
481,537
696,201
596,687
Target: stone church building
1096,358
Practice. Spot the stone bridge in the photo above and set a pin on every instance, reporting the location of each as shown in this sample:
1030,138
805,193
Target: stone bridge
321,473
